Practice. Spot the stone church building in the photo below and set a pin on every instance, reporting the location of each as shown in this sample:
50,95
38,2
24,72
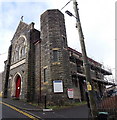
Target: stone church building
41,63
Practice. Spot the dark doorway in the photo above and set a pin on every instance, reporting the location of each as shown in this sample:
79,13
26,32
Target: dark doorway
82,88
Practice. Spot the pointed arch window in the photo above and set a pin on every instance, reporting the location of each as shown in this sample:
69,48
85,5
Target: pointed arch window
16,53
22,51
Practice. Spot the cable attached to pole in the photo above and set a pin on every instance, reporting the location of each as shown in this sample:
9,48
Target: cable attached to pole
66,5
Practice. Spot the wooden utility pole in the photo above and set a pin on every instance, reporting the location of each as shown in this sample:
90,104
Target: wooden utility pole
92,102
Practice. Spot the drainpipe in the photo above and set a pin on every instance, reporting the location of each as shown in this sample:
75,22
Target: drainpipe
39,97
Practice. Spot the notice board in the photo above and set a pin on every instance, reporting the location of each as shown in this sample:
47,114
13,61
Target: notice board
58,86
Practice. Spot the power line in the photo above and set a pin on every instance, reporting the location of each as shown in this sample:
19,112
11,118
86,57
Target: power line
66,5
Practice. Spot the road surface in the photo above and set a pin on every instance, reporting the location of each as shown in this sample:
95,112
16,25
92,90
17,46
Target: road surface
9,111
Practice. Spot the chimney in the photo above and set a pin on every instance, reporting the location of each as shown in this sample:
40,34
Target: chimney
32,25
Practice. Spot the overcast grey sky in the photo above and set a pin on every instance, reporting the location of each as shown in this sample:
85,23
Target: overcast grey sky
97,20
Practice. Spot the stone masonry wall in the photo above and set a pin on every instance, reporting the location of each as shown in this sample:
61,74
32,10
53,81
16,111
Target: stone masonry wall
34,37
53,35
22,30
37,66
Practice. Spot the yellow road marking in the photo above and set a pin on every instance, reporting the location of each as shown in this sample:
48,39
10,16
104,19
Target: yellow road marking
24,113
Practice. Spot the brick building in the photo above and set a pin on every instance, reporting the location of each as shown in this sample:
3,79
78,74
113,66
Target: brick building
41,63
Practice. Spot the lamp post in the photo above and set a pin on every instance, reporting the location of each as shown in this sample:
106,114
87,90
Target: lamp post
92,103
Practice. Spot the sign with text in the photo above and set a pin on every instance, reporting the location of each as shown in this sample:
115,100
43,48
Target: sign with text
70,93
58,86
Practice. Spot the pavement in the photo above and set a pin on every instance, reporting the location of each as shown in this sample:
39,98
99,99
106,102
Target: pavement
73,113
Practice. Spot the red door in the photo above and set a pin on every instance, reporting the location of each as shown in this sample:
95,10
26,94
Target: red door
18,87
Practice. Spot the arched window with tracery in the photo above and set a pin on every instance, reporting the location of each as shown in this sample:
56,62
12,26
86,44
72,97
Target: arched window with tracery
19,50
23,45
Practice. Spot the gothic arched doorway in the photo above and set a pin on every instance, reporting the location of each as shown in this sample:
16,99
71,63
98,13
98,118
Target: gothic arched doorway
18,86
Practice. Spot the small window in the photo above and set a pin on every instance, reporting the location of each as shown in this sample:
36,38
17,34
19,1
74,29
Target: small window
64,41
72,59
55,56
74,81
45,75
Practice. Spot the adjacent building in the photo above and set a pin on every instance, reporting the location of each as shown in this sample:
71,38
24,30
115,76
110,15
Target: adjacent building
40,63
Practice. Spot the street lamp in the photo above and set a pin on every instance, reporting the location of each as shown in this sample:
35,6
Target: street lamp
70,14
93,108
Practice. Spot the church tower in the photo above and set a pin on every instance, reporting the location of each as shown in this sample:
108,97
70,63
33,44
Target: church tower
54,56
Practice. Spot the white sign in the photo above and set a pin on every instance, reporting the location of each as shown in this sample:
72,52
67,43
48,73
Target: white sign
58,86
70,93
